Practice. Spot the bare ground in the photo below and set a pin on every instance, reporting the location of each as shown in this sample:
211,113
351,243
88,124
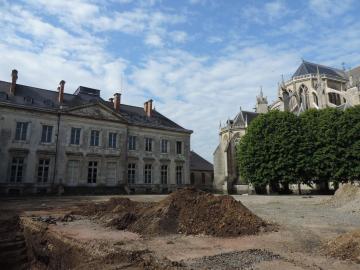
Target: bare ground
306,224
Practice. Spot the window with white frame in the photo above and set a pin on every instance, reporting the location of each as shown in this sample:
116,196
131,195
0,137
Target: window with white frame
112,140
164,146
164,174
43,170
148,144
46,134
72,172
131,173
147,173
179,175
75,136
92,172
16,169
94,138
21,131
132,142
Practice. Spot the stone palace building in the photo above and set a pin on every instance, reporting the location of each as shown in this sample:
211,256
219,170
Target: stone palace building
311,86
52,141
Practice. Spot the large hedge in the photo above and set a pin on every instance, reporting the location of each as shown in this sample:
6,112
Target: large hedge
319,146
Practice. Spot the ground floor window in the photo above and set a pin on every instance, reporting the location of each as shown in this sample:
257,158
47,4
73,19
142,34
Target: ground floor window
192,178
92,171
164,174
147,173
72,171
179,174
203,178
16,171
131,173
43,170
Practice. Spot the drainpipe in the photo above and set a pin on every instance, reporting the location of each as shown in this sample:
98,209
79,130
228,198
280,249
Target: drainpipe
56,148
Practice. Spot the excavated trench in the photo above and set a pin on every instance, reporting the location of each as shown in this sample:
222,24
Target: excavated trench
29,243
13,247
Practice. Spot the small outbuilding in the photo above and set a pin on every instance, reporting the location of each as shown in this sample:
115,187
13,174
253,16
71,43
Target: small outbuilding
201,172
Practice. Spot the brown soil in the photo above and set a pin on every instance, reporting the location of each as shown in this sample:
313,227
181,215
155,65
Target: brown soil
346,246
187,211
346,198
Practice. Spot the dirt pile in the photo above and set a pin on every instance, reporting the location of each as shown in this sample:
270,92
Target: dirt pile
346,246
187,211
346,198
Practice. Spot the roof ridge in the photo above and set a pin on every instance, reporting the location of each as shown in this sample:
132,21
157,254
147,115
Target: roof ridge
321,65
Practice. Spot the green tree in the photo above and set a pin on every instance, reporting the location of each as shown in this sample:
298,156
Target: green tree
349,141
267,153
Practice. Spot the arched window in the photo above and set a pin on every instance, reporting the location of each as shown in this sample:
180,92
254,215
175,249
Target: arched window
303,95
334,98
316,100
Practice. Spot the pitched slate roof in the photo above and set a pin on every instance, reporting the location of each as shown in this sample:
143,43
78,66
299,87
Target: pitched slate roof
198,163
37,98
355,73
244,116
311,68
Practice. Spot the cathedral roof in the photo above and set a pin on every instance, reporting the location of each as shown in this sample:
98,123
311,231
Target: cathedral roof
355,73
311,68
37,98
244,117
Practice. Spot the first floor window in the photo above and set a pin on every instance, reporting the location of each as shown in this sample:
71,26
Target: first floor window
43,170
148,144
179,173
21,131
72,172
112,140
147,173
94,138
164,174
46,134
164,146
178,147
132,143
92,171
75,136
16,170
131,173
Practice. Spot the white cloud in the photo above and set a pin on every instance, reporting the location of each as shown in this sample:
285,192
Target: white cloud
271,11
330,8
178,36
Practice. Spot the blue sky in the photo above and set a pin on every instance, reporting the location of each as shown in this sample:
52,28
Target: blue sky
200,60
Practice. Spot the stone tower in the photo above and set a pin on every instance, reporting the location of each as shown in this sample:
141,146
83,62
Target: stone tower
261,103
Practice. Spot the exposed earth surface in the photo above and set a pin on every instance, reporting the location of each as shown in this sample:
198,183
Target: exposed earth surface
177,232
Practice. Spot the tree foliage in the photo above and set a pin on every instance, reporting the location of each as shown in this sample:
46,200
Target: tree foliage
318,146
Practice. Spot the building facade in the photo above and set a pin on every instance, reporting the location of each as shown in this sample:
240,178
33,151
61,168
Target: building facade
311,86
53,141
201,172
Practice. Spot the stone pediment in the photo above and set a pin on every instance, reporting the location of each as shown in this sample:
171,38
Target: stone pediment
96,111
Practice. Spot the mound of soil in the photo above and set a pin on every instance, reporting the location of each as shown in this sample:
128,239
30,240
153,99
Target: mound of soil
187,211
346,246
347,198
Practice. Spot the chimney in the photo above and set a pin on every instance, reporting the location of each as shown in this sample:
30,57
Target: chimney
148,107
117,97
61,91
14,77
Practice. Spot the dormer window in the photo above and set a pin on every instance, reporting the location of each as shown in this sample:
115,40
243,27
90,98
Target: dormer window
28,100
